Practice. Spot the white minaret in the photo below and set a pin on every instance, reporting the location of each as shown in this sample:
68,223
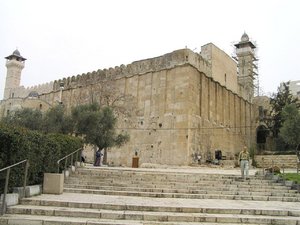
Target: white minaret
246,64
15,63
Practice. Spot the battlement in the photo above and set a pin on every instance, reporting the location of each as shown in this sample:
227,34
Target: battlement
22,92
167,61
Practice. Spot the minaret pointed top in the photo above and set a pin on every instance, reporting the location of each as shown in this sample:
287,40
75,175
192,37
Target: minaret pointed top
16,55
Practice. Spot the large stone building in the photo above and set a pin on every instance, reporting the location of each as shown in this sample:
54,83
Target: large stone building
176,107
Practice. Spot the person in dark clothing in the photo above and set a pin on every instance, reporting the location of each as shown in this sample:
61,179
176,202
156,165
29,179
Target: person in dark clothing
98,158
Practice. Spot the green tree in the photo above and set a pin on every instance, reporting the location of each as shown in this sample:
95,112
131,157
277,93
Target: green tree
278,102
28,118
97,126
56,121
290,130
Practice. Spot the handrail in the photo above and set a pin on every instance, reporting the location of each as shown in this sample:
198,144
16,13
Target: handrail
66,157
3,207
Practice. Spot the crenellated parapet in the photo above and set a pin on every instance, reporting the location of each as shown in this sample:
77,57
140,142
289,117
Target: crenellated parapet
22,92
167,61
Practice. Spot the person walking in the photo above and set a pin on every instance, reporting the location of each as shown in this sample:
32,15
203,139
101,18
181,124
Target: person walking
98,158
244,158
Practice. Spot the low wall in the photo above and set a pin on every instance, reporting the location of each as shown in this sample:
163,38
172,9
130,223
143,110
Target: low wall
282,161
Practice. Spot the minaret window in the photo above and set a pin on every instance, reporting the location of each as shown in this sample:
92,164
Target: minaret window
243,62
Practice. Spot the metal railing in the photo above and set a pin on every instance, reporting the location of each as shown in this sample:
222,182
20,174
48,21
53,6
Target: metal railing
26,161
68,158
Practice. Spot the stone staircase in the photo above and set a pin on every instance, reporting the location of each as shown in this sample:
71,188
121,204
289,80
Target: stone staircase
152,196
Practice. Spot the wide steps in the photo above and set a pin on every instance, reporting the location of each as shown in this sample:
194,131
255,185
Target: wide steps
119,196
133,180
145,215
15,219
241,196
187,190
177,185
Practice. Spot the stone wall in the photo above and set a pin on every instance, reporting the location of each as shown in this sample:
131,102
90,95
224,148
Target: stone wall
224,68
282,161
13,104
22,92
182,112
177,108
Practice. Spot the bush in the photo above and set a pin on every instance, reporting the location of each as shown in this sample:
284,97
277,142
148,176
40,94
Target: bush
292,177
42,151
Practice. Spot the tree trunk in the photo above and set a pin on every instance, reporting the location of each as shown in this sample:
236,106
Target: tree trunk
105,157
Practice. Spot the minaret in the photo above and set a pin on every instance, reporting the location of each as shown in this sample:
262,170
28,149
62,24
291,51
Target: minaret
15,63
246,64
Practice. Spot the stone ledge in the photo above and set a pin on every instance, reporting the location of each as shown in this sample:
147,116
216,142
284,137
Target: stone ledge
11,199
31,190
53,183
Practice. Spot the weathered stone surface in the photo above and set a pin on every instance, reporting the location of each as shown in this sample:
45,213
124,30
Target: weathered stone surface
177,106
53,183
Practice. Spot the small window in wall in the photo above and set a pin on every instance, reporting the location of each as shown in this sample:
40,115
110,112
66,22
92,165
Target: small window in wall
225,77
41,106
12,95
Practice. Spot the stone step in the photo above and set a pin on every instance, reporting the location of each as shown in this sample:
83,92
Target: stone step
152,185
240,196
152,215
199,191
188,187
168,182
163,205
253,180
151,175
202,190
15,219
104,173
182,177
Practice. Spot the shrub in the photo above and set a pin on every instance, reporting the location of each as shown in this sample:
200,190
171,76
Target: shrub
42,151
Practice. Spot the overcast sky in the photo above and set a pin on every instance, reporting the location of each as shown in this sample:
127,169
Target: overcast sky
62,38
